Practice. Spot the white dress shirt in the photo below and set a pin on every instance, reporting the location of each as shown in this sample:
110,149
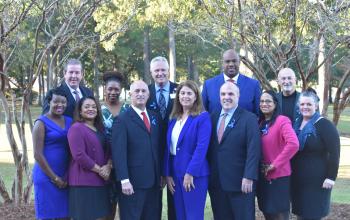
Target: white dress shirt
175,134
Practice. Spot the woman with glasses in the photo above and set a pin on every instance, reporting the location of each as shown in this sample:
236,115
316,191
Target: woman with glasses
279,144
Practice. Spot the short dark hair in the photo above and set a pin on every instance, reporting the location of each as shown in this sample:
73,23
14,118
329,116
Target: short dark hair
55,91
277,110
197,107
98,120
113,76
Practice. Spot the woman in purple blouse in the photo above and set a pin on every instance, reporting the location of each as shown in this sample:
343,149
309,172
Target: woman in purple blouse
90,164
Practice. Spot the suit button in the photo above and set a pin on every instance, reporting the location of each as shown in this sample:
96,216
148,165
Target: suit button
178,149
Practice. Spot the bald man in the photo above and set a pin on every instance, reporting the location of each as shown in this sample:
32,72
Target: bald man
288,97
250,88
136,153
233,155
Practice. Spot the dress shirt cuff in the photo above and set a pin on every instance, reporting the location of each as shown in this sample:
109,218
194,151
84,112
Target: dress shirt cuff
329,181
125,181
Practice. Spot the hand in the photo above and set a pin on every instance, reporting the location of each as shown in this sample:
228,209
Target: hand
162,182
59,182
247,185
170,183
188,182
105,171
268,168
328,184
127,188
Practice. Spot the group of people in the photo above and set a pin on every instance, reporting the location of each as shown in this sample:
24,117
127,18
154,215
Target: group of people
230,140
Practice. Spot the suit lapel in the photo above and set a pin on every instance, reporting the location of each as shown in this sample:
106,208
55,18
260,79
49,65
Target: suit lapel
136,118
232,123
70,98
185,128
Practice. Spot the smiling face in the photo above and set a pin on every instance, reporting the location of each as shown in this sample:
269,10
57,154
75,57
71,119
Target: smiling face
160,72
73,75
287,81
58,104
267,105
139,94
88,110
187,97
230,63
229,96
112,91
307,106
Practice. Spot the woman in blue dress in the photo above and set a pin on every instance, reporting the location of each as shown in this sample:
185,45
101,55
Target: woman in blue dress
51,153
112,107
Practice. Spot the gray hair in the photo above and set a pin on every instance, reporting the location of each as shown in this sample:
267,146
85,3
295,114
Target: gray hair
311,94
159,59
73,62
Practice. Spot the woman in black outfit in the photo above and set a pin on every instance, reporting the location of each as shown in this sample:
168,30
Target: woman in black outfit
315,166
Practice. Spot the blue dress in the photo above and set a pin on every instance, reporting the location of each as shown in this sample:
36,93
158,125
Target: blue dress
50,201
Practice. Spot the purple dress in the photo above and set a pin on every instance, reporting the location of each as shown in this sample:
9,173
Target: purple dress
50,201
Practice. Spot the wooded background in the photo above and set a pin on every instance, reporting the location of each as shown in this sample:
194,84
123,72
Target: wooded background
37,37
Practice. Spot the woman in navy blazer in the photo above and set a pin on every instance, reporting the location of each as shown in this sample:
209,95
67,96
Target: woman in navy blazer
185,164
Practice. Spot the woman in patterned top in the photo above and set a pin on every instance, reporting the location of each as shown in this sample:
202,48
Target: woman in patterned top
113,83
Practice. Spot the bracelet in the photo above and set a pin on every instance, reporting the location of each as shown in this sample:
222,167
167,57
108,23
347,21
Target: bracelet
54,180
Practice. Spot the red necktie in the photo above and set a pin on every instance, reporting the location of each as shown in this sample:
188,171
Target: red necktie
146,121
231,80
222,127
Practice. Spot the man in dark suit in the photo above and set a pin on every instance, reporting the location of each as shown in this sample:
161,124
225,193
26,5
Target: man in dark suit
250,88
162,94
135,152
288,97
73,74
233,156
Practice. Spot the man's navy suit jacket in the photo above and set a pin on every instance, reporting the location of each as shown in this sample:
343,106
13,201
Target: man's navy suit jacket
250,93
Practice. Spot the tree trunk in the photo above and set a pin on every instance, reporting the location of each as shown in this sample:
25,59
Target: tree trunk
96,71
339,98
172,52
323,78
146,55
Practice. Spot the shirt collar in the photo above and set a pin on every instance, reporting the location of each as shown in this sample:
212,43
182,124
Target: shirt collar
229,113
234,78
138,111
166,87
72,90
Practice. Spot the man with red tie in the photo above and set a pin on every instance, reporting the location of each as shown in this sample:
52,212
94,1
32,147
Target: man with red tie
135,153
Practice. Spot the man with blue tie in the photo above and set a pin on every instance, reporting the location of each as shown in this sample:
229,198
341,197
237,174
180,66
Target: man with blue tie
233,155
135,153
250,88
162,94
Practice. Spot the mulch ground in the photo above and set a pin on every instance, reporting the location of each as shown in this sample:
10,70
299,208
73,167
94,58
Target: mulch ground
9,212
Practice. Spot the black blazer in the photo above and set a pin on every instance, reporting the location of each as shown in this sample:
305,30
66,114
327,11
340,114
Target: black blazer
238,154
135,151
70,99
152,104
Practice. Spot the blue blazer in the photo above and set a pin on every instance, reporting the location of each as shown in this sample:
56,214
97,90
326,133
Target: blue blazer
237,156
191,149
249,99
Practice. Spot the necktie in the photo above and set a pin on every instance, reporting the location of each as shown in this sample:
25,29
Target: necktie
162,103
222,126
231,80
77,97
146,121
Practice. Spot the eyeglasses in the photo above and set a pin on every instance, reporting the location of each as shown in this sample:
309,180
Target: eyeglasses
267,101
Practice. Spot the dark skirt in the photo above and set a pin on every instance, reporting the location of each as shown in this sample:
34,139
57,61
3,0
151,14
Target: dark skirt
89,202
273,195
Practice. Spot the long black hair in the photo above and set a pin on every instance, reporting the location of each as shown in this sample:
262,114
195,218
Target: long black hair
275,113
98,120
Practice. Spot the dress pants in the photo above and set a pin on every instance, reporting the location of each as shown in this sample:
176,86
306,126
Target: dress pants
142,205
232,205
